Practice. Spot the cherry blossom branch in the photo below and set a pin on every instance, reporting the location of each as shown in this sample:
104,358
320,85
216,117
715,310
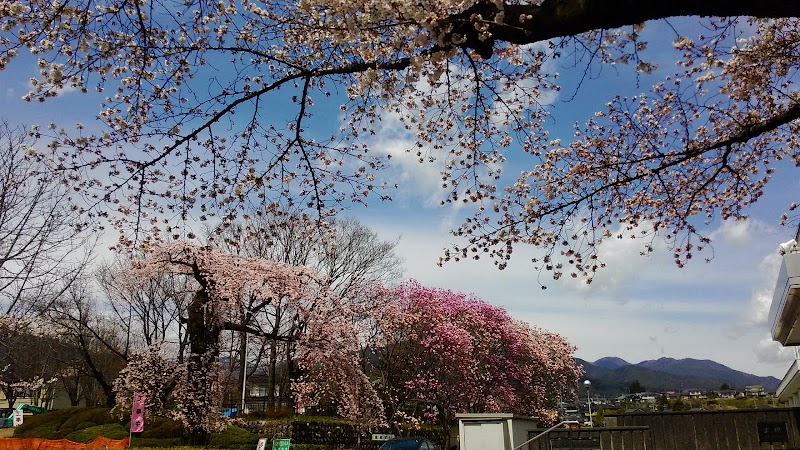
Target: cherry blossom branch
745,134
234,326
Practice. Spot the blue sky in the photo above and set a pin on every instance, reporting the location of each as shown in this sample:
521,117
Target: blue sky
637,308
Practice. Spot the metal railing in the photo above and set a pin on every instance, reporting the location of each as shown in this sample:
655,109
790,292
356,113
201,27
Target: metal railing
558,425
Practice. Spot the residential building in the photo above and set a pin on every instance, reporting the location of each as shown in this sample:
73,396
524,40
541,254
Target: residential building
784,318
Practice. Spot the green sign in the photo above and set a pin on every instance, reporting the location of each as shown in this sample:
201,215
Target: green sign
280,444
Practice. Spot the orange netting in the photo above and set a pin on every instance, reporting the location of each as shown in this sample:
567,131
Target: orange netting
100,443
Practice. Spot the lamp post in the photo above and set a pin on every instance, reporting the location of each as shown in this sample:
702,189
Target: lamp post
588,385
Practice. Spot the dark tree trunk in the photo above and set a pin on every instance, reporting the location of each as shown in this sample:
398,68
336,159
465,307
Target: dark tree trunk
242,365
97,374
11,397
204,332
290,371
273,376
73,389
243,356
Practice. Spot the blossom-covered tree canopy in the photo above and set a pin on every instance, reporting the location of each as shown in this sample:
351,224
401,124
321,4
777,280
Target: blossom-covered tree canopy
181,138
457,353
325,338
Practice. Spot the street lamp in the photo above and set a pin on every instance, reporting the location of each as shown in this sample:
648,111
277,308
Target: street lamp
588,385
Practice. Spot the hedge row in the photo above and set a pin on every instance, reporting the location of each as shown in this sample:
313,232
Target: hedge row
80,424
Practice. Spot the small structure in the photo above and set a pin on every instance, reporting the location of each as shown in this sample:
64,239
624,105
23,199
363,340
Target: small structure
755,390
694,393
784,317
501,431
649,397
784,313
788,391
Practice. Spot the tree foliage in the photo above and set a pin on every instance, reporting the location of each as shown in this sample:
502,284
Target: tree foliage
462,79
635,387
324,336
345,252
99,339
41,248
441,352
42,253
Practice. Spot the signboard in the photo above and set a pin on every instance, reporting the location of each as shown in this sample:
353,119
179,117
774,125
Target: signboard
262,444
772,432
137,415
280,444
382,437
18,417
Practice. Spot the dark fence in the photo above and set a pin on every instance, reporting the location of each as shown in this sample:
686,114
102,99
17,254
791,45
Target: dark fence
628,438
773,428
331,434
757,429
262,405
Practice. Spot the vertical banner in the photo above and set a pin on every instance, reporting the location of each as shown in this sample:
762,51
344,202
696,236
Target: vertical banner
18,417
137,415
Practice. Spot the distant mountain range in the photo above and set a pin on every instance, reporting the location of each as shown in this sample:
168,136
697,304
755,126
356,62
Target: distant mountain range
612,376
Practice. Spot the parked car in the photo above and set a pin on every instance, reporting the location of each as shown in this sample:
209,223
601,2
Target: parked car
413,443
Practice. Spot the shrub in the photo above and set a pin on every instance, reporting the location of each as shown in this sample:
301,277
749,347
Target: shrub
234,436
161,428
155,443
60,423
244,447
99,416
84,425
111,431
44,431
50,421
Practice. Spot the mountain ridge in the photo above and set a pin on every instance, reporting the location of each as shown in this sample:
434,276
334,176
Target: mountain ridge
612,376
611,362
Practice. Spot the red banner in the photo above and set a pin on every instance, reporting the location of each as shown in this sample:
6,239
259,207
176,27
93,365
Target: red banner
137,416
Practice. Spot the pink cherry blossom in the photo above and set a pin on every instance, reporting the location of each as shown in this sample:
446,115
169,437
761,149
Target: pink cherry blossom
457,353
326,341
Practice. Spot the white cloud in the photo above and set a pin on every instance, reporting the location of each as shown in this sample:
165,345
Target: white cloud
424,179
66,89
418,178
735,230
741,232
548,69
761,299
771,352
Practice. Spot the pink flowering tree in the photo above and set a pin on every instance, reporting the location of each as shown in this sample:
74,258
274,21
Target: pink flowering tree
441,352
464,83
325,341
151,373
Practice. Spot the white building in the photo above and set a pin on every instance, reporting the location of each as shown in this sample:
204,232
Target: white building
784,319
